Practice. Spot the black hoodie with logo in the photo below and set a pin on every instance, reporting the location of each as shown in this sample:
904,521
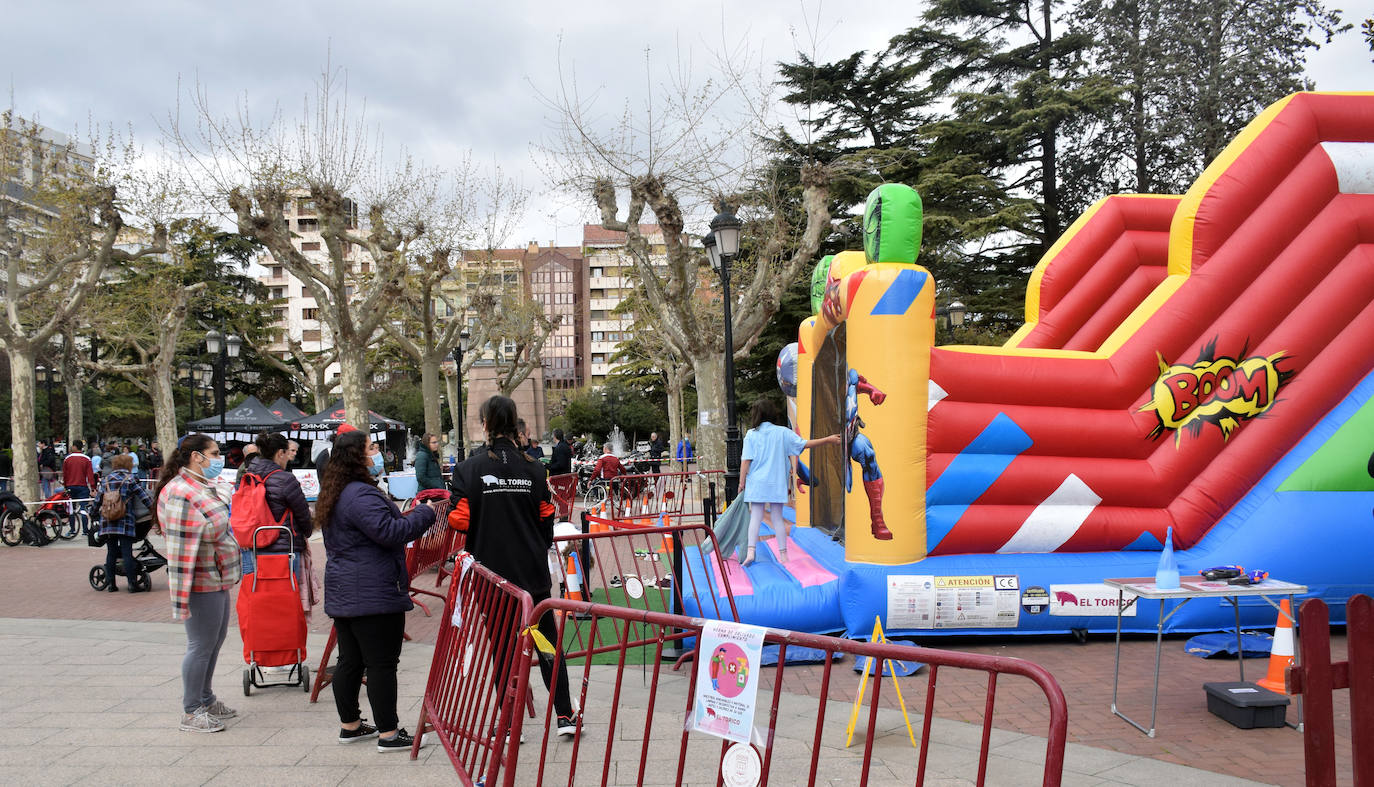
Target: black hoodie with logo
509,513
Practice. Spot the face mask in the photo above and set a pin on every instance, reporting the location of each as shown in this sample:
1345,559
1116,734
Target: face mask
214,469
377,465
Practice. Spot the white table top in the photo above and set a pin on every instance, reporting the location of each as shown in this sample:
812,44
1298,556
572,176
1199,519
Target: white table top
1196,587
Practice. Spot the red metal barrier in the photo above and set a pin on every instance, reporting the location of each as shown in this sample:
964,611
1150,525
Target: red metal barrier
472,696
1316,677
563,488
650,718
639,567
668,495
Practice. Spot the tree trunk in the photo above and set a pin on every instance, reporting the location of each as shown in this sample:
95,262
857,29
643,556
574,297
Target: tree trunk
164,404
353,376
73,384
429,389
710,444
22,429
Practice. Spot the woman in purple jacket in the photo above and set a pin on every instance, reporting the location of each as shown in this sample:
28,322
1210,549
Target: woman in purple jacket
366,588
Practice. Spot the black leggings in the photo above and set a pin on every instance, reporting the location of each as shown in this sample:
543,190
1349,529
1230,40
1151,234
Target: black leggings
115,548
372,642
504,648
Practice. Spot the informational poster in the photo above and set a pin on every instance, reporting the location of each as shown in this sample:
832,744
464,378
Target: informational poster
310,482
730,655
935,602
1089,599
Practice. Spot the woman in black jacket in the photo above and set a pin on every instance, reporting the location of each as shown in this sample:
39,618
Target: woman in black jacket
511,532
366,588
285,498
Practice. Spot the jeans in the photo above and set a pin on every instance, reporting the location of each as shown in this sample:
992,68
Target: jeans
45,479
117,547
371,642
205,630
78,492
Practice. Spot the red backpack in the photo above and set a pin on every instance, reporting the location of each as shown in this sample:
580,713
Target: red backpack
248,511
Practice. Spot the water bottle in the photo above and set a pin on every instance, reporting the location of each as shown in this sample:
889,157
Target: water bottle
1166,576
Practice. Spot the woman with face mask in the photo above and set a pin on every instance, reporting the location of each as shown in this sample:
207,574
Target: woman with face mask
202,564
366,588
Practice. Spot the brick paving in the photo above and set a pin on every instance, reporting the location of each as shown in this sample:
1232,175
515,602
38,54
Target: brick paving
51,583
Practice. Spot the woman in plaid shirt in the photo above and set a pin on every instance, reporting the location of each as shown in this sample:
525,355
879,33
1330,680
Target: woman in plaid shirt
202,564
121,534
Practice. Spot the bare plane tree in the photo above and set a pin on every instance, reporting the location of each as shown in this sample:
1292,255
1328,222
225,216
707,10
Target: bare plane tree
63,216
330,161
688,149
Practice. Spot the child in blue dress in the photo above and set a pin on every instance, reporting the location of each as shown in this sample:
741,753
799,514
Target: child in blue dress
770,453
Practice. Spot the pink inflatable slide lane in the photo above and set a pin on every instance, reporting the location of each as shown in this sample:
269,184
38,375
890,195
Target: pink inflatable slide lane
1175,348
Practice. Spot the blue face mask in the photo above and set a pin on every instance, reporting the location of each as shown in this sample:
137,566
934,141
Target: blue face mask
214,469
377,464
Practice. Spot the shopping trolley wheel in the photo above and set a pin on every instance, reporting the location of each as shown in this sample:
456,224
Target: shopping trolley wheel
305,679
98,579
247,681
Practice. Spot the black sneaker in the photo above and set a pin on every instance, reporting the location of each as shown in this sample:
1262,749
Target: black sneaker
401,741
363,732
567,725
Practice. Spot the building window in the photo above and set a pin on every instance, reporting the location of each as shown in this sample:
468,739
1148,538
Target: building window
598,314
313,245
279,314
308,225
310,314
304,205
277,271
366,267
312,335
278,292
598,336
598,358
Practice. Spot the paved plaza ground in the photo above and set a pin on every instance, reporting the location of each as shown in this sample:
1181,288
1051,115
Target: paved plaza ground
95,701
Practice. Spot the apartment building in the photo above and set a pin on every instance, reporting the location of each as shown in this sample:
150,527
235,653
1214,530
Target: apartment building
299,317
557,277
609,266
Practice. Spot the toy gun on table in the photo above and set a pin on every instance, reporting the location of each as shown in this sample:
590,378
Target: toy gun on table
1216,573
1252,578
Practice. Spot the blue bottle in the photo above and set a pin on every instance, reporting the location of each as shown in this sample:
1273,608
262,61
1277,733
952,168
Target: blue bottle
1166,576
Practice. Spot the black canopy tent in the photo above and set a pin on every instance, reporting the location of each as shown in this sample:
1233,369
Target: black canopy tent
241,423
322,424
287,411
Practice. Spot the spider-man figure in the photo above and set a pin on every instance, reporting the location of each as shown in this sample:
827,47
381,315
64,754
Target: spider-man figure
861,451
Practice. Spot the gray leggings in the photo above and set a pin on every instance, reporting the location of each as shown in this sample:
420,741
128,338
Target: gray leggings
205,631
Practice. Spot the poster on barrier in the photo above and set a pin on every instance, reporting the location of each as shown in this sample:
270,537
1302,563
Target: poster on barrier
727,680
310,483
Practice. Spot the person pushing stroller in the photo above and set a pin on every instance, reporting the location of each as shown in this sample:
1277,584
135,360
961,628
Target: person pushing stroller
121,532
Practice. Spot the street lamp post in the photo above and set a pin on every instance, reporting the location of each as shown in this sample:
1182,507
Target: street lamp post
224,348
464,342
722,245
46,376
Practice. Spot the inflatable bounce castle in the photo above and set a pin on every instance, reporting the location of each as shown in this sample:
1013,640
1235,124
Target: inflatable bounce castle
1198,365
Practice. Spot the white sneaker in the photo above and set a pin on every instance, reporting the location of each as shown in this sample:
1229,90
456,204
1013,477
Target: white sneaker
200,721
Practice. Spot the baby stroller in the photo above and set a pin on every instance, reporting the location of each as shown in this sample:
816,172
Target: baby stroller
271,619
147,557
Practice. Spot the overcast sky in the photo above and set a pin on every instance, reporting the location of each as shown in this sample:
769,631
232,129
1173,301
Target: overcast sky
438,77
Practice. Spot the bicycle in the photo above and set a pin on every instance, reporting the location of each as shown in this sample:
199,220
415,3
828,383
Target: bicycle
12,524
72,518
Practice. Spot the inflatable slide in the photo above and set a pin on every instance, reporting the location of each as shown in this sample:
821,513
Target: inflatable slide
1196,365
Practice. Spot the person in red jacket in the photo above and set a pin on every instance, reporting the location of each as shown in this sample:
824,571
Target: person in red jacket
608,466
78,476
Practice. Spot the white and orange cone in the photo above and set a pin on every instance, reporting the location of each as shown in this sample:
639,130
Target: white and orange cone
1281,655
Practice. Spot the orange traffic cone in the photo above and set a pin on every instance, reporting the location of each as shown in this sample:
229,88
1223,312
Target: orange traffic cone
1281,655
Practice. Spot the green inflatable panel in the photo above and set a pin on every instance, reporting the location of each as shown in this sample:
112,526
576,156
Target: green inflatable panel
892,224
1342,463
819,275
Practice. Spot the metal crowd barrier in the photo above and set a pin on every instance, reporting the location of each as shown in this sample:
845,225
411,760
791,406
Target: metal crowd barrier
472,695
473,705
1316,677
663,495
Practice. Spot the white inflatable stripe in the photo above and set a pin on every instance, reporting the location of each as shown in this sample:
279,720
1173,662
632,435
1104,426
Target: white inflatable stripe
1056,519
1354,164
934,393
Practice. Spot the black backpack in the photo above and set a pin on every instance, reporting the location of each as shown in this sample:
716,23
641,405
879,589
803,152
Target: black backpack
34,534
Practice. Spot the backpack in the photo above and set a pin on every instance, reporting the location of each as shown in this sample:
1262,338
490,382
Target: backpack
31,532
248,511
112,507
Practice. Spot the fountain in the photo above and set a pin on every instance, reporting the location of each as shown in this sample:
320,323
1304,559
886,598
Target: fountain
617,441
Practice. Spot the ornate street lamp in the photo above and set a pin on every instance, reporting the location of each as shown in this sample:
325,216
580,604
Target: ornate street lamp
464,343
722,245
224,347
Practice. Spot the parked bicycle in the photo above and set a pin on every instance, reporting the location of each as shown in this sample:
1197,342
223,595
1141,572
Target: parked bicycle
73,518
